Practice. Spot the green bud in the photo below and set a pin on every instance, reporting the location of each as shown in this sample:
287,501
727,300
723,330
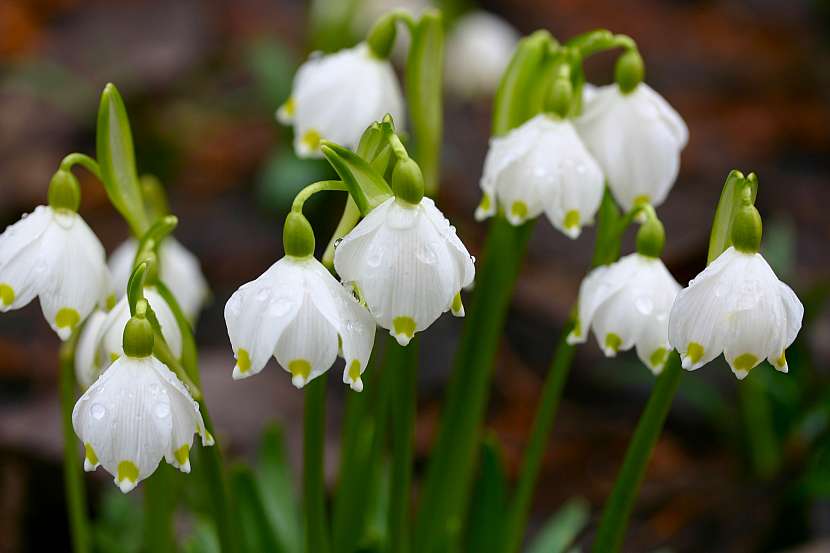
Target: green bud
560,96
64,191
651,237
138,337
407,181
381,37
747,229
629,71
297,236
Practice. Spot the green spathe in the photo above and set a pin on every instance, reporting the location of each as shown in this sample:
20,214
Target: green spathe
407,181
138,337
64,191
747,229
298,236
629,71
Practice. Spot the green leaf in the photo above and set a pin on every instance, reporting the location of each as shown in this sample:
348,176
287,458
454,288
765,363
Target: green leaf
204,539
485,524
277,492
135,286
424,74
116,157
256,532
721,237
366,186
190,355
562,528
517,98
157,232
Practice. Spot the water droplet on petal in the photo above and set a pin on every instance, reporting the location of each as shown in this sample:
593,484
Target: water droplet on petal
235,305
375,256
281,306
161,410
644,305
337,242
97,411
426,254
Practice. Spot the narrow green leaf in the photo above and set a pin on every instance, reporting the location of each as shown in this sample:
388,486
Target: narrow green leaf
157,232
424,74
485,524
366,186
116,158
190,355
721,237
135,286
256,533
278,495
204,539
560,531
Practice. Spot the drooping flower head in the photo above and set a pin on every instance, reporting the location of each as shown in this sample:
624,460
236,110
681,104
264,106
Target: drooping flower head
542,166
336,96
137,413
53,254
299,313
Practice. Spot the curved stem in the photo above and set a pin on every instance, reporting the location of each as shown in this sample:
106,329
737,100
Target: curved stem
350,217
314,482
618,507
311,189
72,473
84,161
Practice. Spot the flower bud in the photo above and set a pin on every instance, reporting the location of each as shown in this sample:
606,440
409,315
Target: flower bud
64,191
629,71
407,181
297,236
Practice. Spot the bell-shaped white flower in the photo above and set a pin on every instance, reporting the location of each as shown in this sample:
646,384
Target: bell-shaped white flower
637,139
179,270
133,415
479,48
627,304
100,343
336,96
299,313
542,166
53,254
407,263
738,307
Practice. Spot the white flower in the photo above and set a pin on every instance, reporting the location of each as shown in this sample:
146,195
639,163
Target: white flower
627,303
53,254
407,263
133,415
636,138
299,313
336,96
542,166
739,307
101,339
479,48
180,271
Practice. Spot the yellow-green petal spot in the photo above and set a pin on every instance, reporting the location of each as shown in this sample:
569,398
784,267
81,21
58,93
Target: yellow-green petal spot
67,318
519,210
90,454
486,203
404,329
745,362
612,343
781,361
182,454
6,294
127,470
111,301
243,360
694,352
642,199
572,219
289,107
311,139
658,357
114,357
577,331
457,306
354,370
299,369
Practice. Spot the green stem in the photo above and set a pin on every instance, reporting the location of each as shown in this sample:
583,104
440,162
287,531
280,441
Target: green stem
311,189
84,161
72,472
757,414
618,507
159,505
449,475
314,481
404,362
215,482
351,214
539,436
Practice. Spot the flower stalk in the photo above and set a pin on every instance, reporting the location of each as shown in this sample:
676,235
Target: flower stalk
314,482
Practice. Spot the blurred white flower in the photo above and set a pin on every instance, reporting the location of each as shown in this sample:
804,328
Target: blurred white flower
542,166
180,271
132,416
636,138
627,304
299,313
407,263
336,96
53,254
478,50
739,307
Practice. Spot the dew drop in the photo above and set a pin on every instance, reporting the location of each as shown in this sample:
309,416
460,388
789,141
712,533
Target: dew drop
235,305
375,256
281,306
337,242
161,410
97,411
473,258
426,254
644,305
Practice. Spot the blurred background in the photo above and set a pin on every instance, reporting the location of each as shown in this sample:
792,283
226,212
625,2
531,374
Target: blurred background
735,471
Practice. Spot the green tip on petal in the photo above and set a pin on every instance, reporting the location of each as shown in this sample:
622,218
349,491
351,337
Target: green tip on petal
356,382
658,358
745,362
518,212
612,344
243,363
403,329
486,203
127,476
781,362
67,318
457,306
182,456
311,140
694,353
300,370
6,294
90,459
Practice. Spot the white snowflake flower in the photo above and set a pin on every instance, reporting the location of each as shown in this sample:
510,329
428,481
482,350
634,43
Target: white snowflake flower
627,304
336,96
407,263
299,313
738,307
53,254
542,166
